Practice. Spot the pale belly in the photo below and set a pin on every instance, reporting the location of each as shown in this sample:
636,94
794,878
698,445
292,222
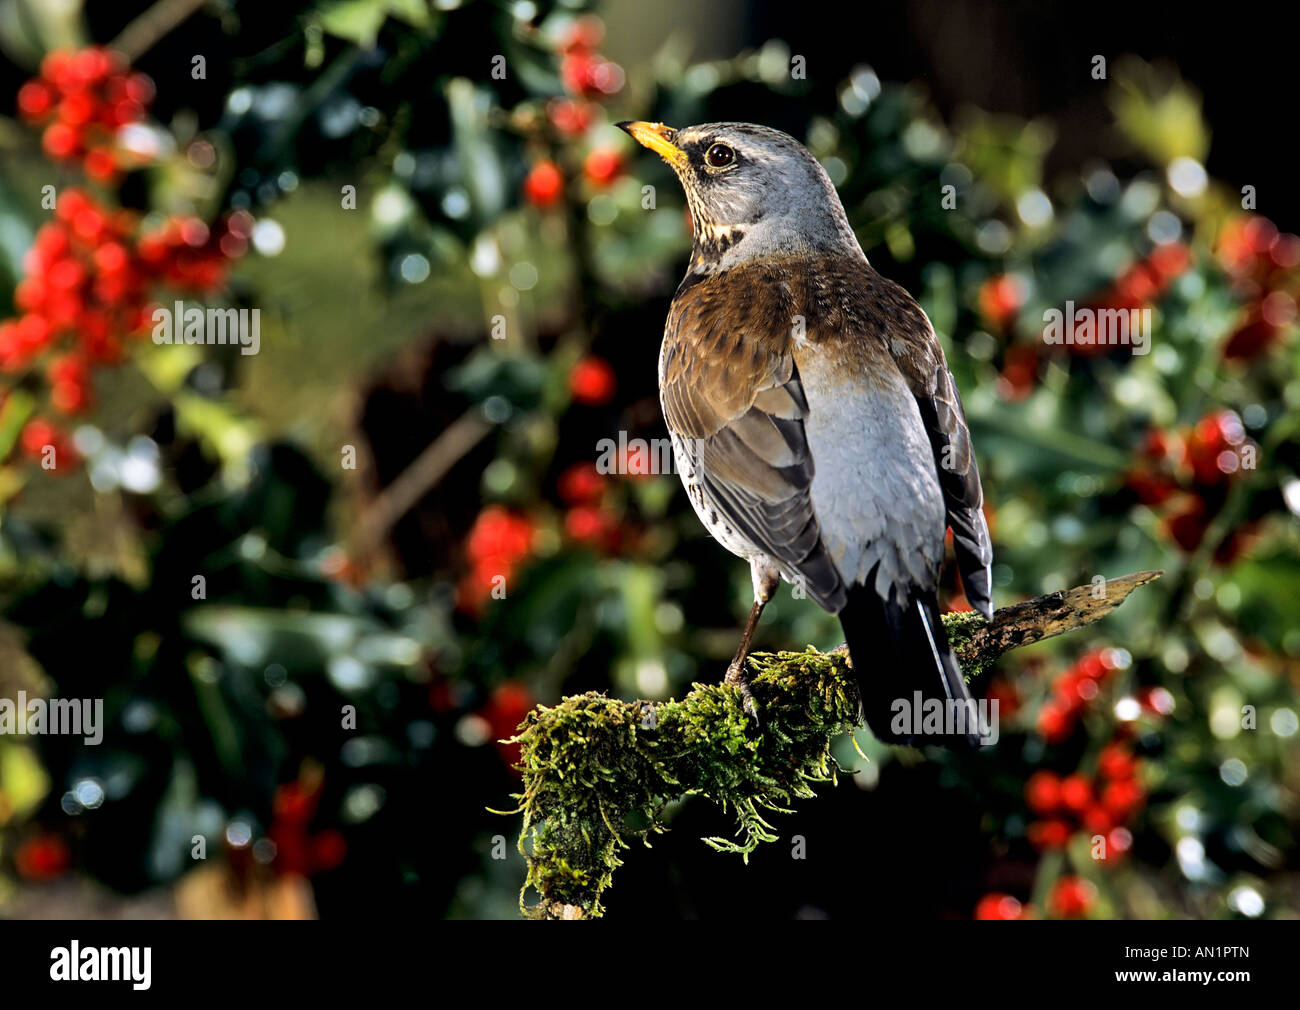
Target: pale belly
713,520
875,487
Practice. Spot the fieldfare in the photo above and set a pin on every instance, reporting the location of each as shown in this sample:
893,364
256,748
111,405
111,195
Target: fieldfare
814,421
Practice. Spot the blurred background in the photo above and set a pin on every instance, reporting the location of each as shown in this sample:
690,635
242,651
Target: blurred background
316,586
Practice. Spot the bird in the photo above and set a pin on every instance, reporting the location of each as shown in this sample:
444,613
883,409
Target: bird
814,421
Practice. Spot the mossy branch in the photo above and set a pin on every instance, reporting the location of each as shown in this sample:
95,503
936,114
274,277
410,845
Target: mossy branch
598,772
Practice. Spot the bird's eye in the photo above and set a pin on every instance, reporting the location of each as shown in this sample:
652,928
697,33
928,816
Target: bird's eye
719,156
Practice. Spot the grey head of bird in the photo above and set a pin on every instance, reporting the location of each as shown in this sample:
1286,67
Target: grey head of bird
753,192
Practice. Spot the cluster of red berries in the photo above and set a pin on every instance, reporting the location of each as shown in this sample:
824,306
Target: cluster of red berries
498,543
588,521
1143,283
587,76
1074,690
186,253
583,70
544,184
999,300
82,277
85,288
1071,897
82,99
1104,805
1262,264
1185,474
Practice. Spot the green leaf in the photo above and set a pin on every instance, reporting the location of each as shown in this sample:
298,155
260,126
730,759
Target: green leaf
357,21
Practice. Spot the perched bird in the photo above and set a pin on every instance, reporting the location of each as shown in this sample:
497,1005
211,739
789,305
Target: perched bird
814,421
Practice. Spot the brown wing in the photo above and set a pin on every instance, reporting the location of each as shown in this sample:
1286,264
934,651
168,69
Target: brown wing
732,396
919,356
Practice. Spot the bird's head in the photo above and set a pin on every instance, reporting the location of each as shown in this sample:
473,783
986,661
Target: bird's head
753,192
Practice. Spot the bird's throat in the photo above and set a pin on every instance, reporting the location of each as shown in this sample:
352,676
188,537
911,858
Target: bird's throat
712,243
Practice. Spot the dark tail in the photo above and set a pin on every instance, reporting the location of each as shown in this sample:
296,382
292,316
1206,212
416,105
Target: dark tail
898,651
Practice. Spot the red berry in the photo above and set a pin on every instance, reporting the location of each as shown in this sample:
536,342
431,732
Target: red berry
1000,299
1054,722
1123,798
1170,260
1072,897
1076,793
1097,820
61,141
35,100
101,165
77,108
506,708
1043,792
590,525
1051,834
1092,665
999,907
29,293
42,858
581,484
603,166
70,397
592,381
569,117
39,434
586,33
1116,762
576,71
544,186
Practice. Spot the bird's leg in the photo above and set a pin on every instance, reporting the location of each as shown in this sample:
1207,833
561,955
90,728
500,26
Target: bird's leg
765,578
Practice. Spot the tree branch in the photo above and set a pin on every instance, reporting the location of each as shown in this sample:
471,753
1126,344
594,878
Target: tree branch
598,772
417,480
145,31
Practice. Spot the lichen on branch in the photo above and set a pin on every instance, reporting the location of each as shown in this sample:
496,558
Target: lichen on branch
598,773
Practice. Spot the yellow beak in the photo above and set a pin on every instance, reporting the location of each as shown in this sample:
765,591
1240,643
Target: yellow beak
658,138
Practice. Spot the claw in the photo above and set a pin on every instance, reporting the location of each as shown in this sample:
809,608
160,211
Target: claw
738,679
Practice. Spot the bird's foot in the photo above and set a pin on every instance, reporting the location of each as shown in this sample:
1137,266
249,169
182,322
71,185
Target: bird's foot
738,678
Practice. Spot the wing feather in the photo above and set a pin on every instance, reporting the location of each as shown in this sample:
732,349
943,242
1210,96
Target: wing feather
739,420
923,365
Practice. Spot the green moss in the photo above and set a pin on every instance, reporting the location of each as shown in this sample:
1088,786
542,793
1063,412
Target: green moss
960,628
598,773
